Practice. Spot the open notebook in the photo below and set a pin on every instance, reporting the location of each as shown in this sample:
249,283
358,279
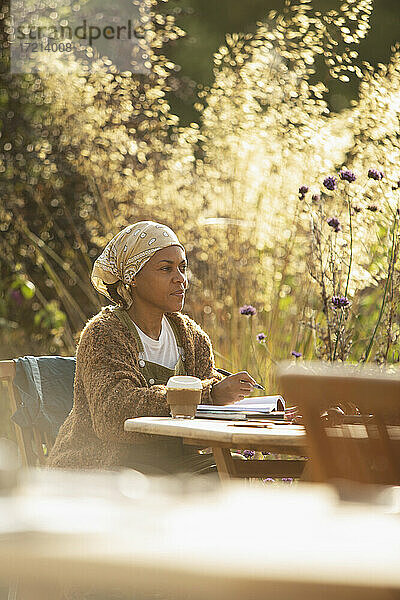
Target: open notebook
271,407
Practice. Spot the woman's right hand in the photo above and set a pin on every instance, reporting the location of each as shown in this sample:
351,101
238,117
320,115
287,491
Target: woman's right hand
233,388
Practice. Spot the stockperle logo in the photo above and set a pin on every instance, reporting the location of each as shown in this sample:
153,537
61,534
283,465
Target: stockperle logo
59,35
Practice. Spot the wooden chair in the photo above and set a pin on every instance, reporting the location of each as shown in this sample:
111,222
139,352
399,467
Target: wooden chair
363,448
34,444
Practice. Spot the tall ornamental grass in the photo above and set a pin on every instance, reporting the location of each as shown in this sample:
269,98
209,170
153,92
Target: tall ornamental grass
256,192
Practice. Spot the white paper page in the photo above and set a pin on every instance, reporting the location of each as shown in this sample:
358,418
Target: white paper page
259,402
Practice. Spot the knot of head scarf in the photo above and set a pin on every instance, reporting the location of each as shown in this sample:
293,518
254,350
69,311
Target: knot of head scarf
126,254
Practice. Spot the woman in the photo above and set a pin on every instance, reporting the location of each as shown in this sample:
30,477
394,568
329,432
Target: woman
126,354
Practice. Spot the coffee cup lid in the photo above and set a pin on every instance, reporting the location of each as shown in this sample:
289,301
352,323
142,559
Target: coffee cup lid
184,382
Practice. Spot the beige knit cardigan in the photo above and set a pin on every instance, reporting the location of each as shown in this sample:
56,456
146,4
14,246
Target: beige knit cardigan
109,388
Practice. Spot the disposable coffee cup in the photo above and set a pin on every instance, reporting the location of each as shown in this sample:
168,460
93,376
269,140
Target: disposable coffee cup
183,395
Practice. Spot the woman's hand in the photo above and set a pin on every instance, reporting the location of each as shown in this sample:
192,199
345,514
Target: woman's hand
232,388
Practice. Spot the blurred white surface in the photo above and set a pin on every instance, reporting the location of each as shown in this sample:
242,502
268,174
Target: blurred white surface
184,535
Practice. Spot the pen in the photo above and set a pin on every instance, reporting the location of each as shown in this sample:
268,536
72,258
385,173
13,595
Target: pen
223,372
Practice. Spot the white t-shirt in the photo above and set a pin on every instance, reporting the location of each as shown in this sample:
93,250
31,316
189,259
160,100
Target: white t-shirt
163,351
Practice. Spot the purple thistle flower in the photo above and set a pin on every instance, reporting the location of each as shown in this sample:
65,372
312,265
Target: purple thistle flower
287,479
261,337
303,190
248,453
330,183
340,302
316,197
334,223
346,175
248,310
372,208
396,186
268,479
375,174
357,209
296,354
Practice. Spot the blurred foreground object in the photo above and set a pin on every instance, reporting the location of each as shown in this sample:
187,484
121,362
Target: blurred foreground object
365,447
183,538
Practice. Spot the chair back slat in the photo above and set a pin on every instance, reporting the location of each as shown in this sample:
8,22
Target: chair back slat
7,369
33,444
365,452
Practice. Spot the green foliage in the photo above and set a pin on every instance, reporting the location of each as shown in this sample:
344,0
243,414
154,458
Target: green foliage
50,317
27,288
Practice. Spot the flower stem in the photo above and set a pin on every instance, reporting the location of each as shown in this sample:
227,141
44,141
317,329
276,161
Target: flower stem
389,276
317,237
348,277
254,352
351,249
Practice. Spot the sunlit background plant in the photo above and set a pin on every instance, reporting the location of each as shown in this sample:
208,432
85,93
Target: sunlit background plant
255,191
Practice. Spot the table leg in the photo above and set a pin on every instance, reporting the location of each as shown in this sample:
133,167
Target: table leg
307,475
224,462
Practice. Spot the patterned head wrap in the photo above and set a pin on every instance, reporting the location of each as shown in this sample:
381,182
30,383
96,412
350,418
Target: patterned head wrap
127,252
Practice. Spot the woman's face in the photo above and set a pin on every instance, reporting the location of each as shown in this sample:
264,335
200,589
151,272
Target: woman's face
161,278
